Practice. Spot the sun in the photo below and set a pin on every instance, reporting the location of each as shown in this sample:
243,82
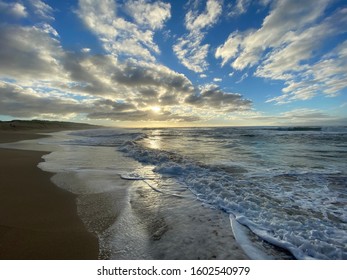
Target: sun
156,109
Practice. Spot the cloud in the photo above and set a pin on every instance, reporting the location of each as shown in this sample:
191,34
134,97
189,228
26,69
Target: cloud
122,37
85,50
327,76
141,83
287,46
244,76
151,74
27,103
144,116
29,52
45,27
100,87
286,17
39,78
42,10
230,48
240,7
300,46
189,48
195,21
98,16
16,10
191,53
212,96
21,102
217,79
297,117
152,15
35,59
306,116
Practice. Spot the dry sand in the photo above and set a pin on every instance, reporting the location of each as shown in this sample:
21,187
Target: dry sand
37,219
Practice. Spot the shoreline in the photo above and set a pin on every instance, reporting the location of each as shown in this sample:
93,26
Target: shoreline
51,219
38,220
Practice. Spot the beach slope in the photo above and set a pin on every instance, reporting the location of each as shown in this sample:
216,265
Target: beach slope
37,219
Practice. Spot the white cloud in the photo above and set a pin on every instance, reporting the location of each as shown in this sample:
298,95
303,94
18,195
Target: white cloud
122,37
98,16
45,27
286,17
327,76
85,50
287,46
230,48
244,76
203,76
217,80
241,7
282,62
152,15
194,21
191,53
42,9
189,48
17,10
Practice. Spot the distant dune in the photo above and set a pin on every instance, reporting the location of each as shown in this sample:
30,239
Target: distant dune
41,125
17,130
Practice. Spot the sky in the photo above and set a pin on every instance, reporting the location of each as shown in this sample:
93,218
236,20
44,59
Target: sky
142,63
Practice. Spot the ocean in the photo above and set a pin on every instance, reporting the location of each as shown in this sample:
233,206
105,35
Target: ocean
283,189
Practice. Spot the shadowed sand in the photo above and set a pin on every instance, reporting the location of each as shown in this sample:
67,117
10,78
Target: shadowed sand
37,219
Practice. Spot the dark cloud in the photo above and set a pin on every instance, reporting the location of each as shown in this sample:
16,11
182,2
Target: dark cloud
142,116
107,104
142,74
28,52
119,116
152,84
18,102
168,99
212,96
83,78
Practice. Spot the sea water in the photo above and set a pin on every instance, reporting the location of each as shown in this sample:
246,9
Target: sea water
285,185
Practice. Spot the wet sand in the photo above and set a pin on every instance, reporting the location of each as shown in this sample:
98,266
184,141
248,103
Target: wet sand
37,219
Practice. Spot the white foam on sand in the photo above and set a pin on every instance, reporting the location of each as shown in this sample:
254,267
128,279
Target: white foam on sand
241,234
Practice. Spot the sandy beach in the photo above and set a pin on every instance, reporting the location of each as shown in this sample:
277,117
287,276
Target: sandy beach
37,219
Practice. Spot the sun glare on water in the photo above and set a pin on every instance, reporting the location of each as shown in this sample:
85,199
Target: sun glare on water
156,109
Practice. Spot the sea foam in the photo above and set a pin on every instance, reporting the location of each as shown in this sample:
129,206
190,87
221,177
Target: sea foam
287,207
